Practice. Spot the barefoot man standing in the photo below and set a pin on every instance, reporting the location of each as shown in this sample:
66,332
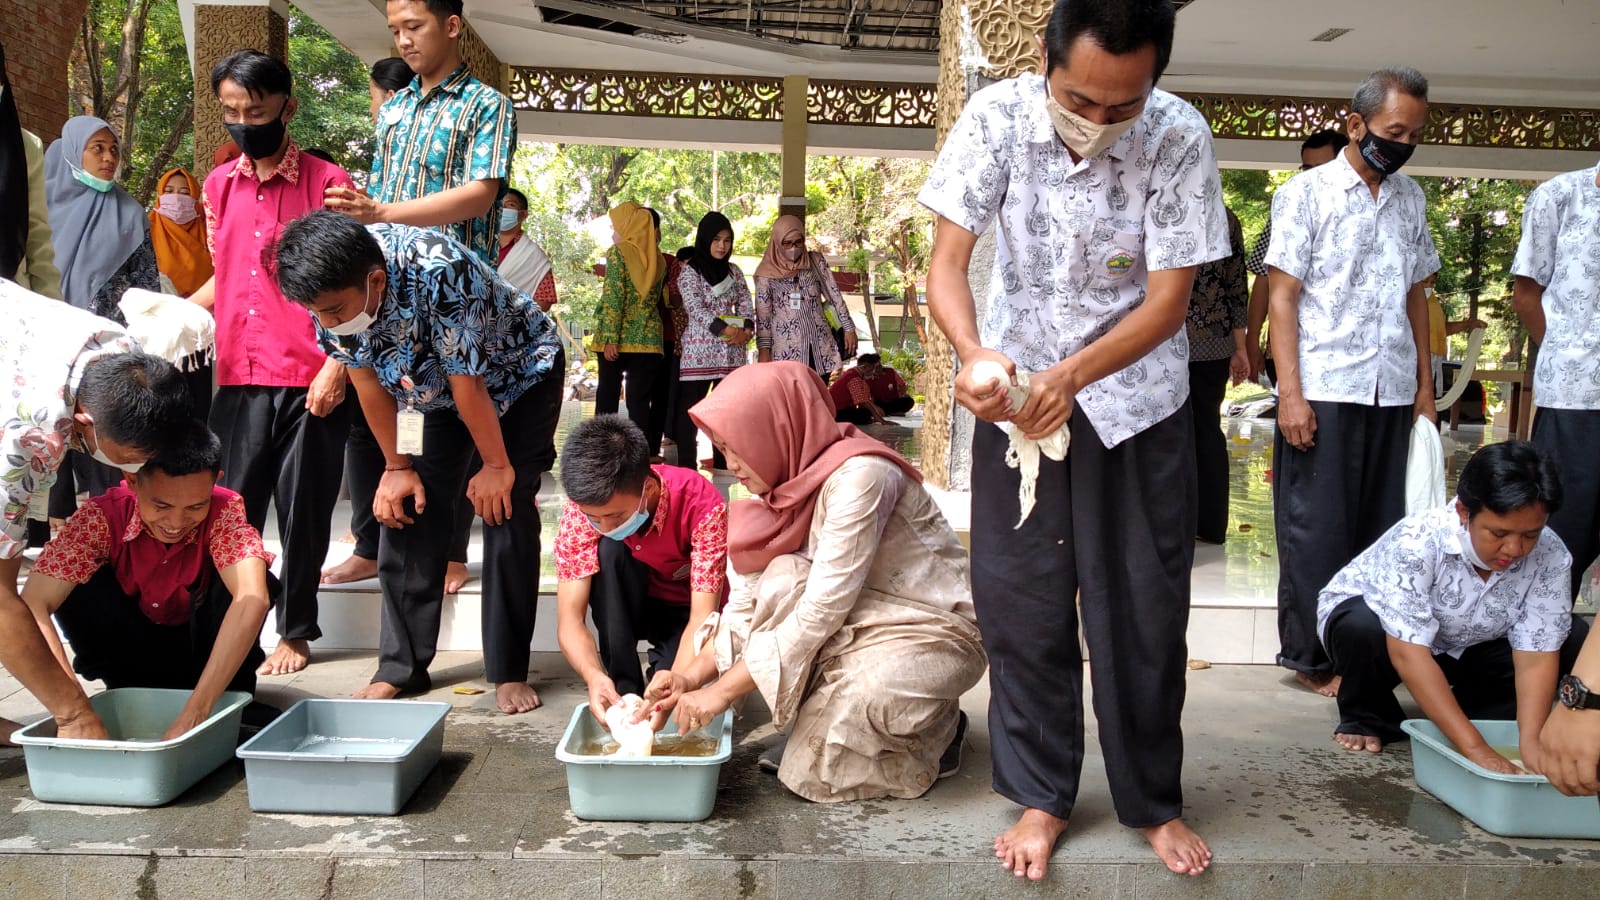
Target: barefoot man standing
1107,196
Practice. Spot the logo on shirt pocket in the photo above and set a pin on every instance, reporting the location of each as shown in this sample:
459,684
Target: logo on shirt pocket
1119,265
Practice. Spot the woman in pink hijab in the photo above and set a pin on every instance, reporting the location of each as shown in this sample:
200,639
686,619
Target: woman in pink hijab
848,605
798,305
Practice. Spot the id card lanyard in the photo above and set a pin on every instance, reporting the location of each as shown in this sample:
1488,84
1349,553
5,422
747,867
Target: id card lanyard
408,422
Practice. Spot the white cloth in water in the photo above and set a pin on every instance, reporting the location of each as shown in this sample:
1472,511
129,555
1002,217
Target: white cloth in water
633,738
170,327
1023,454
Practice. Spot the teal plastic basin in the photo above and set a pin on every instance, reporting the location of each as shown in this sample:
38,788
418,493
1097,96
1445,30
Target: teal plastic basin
1509,805
643,789
349,757
135,767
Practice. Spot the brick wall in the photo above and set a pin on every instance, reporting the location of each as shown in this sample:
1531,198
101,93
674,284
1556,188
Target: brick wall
38,38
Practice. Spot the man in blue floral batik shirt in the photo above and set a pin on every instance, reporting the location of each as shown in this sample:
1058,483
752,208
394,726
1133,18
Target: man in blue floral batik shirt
447,359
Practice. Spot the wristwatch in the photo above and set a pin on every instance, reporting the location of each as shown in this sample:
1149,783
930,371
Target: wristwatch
1576,695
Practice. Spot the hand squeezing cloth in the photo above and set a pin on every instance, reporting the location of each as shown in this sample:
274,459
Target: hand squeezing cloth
1023,454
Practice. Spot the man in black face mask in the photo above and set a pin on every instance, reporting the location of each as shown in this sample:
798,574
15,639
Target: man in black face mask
281,406
1350,250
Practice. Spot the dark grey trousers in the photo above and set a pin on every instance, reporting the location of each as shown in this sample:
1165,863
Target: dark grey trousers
1111,539
1572,437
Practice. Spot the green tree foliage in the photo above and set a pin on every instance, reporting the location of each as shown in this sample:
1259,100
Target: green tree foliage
331,84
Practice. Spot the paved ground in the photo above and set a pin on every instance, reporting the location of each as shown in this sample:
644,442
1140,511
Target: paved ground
1287,813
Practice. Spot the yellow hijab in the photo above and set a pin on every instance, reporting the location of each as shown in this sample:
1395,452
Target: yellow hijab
181,252
636,232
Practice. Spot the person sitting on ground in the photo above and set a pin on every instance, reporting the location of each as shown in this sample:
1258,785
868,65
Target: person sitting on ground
1466,604
447,360
843,572
159,583
869,392
644,547
83,384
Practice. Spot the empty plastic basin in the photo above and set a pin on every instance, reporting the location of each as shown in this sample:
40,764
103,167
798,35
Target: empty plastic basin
1509,805
135,767
355,757
642,789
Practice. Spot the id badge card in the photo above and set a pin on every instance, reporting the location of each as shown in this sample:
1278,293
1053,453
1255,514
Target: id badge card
732,321
794,299
408,432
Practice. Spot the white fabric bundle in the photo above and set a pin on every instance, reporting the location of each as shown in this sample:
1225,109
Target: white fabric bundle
1023,454
169,326
525,265
1424,468
633,738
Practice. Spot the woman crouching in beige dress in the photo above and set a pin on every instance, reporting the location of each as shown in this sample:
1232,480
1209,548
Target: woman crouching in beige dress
849,607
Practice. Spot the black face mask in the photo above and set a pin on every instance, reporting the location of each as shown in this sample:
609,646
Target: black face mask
259,141
1384,155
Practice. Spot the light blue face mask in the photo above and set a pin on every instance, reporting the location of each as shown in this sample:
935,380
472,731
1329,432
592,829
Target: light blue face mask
508,219
99,184
628,528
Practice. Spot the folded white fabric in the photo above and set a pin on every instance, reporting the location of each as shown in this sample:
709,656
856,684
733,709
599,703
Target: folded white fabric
1424,468
169,326
1023,454
633,738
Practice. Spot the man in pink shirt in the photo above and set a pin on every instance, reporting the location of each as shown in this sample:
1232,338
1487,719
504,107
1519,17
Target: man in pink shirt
281,406
644,547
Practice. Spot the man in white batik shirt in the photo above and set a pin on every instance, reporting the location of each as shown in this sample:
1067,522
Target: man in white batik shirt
1557,296
1106,196
1350,248
1467,605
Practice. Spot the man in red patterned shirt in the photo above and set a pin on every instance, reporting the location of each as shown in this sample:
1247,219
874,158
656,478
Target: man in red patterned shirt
161,583
870,392
644,547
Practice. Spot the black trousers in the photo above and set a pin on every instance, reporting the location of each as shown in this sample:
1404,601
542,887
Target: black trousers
363,469
684,432
200,379
1570,436
1208,382
1111,540
664,399
274,451
625,613
1329,503
1483,679
858,415
412,560
112,641
641,371
80,474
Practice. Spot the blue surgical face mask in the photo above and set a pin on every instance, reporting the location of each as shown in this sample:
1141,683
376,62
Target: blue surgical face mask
628,528
93,181
508,219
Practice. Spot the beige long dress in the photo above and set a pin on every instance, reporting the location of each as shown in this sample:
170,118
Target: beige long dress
863,643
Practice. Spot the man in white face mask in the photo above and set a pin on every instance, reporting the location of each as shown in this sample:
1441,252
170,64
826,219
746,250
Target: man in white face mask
81,383
1107,194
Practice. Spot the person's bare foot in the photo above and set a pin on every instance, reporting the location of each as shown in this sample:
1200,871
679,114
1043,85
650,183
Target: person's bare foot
516,697
378,690
1179,847
1358,742
290,657
356,568
1025,848
455,575
1326,684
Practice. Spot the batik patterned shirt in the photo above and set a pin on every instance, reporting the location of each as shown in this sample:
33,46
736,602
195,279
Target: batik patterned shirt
1219,304
446,312
1560,250
1356,259
45,346
1078,239
1425,590
461,131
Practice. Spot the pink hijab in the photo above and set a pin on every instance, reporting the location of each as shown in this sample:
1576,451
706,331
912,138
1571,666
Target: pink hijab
772,264
777,418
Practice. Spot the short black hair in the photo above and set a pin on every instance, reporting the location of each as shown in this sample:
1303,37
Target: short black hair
654,217
391,73
1327,137
869,359
602,456
1375,89
190,448
513,192
1118,27
1509,476
444,9
135,399
319,252
321,154
259,74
